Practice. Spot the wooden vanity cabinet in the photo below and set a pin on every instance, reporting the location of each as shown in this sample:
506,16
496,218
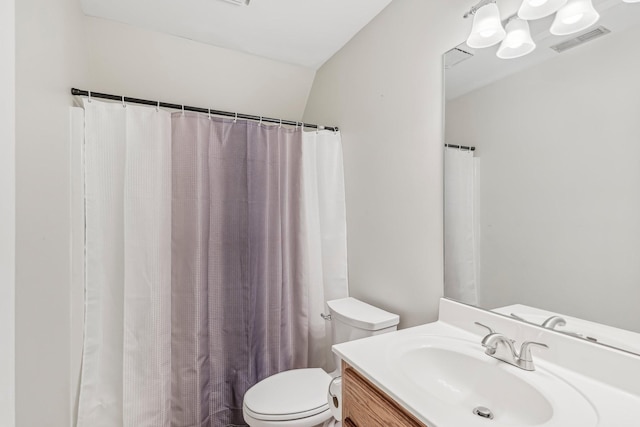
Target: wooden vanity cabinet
365,405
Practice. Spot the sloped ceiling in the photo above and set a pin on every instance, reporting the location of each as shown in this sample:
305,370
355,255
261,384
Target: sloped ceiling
301,32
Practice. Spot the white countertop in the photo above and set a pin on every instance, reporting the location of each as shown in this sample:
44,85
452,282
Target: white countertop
608,379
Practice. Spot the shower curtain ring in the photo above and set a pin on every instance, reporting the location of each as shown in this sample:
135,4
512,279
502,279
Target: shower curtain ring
260,124
123,104
89,97
183,110
158,107
209,113
236,118
280,124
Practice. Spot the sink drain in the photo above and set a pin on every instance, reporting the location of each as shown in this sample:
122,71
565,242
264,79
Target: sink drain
483,412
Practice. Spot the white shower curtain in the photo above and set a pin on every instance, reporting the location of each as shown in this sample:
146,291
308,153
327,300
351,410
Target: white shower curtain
126,370
152,311
460,228
325,215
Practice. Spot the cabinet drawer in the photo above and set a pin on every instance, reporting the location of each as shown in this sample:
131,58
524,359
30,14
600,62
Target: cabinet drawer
365,405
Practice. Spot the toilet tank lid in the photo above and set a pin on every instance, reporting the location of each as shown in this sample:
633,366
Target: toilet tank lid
362,315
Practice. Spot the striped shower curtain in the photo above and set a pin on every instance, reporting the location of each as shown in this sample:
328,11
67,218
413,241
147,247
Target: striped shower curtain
211,248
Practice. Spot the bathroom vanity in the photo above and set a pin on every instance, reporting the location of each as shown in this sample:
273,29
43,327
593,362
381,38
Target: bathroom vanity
364,404
440,375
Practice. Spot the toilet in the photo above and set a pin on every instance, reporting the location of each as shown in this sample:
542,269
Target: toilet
298,398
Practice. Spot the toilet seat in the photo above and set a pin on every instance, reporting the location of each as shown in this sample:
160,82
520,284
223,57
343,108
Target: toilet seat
298,394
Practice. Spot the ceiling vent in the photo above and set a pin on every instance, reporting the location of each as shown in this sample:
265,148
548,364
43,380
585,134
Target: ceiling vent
581,39
238,2
456,56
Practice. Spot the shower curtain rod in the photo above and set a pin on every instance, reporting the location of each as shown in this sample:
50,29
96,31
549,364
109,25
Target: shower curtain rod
460,147
126,99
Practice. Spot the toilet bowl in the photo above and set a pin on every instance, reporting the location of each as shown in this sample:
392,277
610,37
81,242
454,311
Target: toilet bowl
295,398
298,397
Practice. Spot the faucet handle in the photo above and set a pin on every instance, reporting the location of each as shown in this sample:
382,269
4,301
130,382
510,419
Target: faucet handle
525,349
515,316
491,331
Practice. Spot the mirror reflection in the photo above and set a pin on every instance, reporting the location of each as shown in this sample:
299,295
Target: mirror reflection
542,179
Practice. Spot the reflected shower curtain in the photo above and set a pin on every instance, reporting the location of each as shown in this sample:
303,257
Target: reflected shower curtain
212,247
460,251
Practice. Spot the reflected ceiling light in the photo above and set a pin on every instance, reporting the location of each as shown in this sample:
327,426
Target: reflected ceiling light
518,41
487,28
631,1
575,16
536,9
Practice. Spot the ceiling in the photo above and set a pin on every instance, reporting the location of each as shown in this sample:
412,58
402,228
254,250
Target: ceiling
484,67
301,32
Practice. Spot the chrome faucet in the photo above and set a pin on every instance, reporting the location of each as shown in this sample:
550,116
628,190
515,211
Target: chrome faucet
553,321
502,348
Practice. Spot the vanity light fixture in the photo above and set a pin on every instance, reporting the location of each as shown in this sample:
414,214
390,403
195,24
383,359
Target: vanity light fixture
536,9
487,28
518,41
575,16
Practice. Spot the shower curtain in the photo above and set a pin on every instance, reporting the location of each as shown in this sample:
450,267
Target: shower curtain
460,228
212,246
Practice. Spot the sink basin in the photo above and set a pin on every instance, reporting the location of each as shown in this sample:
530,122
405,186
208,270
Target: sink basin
457,377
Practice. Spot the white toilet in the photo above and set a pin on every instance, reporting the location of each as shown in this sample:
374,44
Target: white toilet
298,398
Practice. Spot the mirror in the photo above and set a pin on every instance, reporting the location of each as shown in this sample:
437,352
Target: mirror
543,217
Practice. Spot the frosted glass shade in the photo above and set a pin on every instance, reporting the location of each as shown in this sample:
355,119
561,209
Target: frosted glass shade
518,41
536,9
487,28
575,16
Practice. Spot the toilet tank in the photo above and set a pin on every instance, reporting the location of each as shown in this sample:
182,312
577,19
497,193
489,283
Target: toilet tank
352,319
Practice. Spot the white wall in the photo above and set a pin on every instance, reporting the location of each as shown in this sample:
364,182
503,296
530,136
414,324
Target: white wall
59,48
126,60
559,179
49,58
7,213
384,90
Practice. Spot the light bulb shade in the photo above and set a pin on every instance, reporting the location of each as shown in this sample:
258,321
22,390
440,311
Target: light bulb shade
518,41
575,16
487,28
536,9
